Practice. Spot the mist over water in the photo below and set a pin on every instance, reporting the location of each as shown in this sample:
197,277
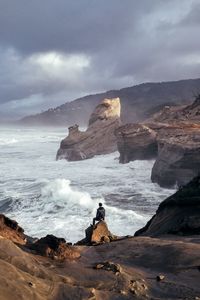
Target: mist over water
46,196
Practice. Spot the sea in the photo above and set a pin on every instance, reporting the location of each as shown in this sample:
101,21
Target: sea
46,196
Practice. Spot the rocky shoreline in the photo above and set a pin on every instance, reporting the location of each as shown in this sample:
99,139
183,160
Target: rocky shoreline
171,137
161,262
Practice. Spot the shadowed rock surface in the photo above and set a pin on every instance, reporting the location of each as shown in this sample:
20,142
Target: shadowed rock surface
99,137
136,141
125,269
172,136
178,158
178,214
54,247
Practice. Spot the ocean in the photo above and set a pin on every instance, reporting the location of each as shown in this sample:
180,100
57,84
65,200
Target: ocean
46,196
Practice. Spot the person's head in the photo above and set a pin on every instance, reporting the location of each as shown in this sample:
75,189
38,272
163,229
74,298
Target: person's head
100,204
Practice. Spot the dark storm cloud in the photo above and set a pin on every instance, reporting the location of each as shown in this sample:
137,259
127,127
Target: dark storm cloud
52,51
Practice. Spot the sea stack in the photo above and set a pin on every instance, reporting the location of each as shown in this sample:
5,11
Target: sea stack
99,138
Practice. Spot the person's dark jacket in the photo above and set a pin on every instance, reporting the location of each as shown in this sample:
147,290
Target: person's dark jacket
100,213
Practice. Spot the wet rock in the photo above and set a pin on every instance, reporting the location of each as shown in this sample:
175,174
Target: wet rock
54,247
99,137
10,229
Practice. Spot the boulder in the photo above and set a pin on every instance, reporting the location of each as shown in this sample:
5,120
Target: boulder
99,137
96,234
178,158
178,214
10,230
54,247
136,141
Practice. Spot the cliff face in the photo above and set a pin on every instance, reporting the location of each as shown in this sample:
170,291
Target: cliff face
136,141
178,214
178,159
172,136
99,137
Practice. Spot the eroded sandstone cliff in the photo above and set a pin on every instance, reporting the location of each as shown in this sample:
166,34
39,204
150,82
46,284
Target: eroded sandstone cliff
172,136
99,137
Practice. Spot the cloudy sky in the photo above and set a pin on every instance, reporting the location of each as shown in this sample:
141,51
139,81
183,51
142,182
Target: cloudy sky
53,51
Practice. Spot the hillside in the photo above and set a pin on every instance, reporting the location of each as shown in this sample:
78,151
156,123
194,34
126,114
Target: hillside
137,103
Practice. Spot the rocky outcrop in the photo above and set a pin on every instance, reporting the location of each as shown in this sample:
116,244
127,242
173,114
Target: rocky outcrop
178,158
178,214
136,141
10,229
126,269
53,247
97,234
172,136
99,137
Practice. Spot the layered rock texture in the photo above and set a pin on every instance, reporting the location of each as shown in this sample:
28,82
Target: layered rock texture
126,269
172,136
178,159
99,137
11,230
178,214
136,141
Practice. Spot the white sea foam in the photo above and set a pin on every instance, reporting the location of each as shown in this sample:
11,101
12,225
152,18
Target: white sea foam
7,141
59,197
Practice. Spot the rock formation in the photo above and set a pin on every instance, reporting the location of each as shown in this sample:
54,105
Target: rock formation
54,247
97,234
172,136
178,214
125,269
11,230
99,137
178,159
136,141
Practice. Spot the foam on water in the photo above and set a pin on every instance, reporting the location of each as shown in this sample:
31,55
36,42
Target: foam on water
61,197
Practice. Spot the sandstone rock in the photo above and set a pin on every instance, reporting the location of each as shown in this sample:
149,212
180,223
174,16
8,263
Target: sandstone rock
138,287
136,141
97,234
54,247
178,158
178,214
108,266
160,277
99,137
10,229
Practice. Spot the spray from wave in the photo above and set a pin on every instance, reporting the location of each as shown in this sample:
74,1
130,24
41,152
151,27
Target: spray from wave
61,210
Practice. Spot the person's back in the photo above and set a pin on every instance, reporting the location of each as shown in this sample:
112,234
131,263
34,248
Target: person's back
100,215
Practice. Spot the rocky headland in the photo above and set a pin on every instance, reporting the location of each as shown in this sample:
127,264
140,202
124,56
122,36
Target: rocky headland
161,262
172,137
99,138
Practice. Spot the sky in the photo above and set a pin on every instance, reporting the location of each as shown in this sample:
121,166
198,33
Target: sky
53,51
